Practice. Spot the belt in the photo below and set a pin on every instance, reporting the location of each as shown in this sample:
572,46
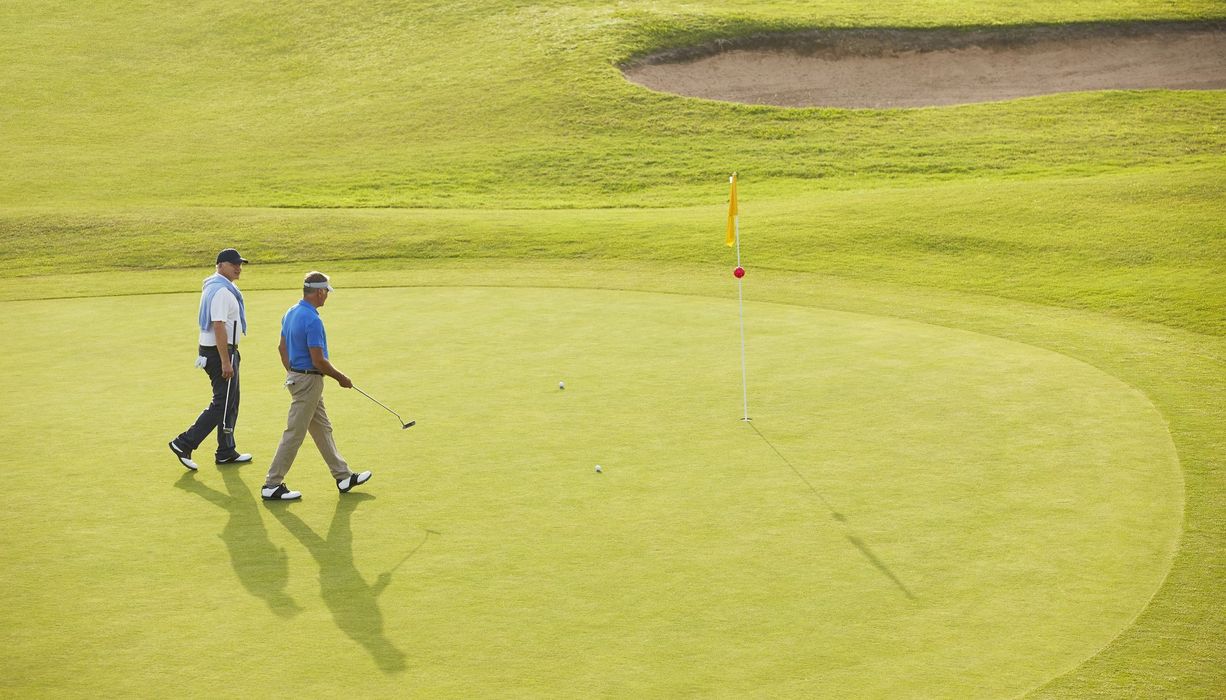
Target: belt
306,371
213,348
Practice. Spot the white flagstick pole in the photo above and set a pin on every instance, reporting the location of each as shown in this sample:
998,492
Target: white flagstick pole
740,296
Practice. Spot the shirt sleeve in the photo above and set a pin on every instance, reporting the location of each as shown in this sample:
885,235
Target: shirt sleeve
315,337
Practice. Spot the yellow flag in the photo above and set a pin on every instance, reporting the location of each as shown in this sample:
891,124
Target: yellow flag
731,239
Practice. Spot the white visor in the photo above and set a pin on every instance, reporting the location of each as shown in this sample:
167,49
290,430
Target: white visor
318,285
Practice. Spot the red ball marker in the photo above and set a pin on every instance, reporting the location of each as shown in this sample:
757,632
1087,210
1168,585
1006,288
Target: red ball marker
738,273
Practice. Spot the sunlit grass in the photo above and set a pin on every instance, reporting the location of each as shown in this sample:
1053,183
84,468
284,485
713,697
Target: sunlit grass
425,142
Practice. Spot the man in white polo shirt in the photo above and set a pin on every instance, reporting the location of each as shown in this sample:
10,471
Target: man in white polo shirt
222,321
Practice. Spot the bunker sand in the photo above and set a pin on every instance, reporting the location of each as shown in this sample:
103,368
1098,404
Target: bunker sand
922,68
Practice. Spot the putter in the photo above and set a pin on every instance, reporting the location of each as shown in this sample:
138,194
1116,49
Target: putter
225,410
403,425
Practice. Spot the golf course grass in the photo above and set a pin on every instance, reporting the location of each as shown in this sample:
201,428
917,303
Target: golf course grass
928,508
984,348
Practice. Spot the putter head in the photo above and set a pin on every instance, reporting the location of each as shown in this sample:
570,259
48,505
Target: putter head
408,425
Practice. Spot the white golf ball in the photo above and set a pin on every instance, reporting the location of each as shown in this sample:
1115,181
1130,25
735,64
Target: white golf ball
561,385
598,469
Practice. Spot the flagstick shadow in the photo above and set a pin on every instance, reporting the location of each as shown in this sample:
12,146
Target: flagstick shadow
857,542
261,566
352,601
875,561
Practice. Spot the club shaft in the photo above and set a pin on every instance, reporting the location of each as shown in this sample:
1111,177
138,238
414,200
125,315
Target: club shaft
363,393
225,409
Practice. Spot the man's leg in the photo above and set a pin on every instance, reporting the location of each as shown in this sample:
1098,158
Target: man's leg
321,432
305,392
226,448
210,418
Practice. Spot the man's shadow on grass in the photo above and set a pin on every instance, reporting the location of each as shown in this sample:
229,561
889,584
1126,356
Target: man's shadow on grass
353,601
261,566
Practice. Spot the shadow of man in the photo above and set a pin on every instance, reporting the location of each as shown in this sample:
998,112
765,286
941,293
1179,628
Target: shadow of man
261,566
352,601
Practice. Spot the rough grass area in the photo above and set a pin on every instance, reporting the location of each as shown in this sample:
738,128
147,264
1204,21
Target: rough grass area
1147,245
344,104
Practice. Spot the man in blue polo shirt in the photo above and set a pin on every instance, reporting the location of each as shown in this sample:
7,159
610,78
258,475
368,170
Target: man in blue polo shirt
304,353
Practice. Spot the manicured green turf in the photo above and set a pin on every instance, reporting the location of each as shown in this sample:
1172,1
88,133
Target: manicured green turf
495,143
914,510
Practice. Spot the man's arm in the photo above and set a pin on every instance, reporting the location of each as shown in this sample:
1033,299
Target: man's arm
223,341
284,350
323,365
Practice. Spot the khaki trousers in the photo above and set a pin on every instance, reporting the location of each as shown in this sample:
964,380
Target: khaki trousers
306,415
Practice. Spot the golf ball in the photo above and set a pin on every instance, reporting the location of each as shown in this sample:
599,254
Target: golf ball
598,469
561,385
739,272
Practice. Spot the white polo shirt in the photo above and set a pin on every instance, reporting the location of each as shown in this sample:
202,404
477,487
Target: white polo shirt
223,308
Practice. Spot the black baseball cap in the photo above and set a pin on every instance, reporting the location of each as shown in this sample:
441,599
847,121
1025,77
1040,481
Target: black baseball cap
230,255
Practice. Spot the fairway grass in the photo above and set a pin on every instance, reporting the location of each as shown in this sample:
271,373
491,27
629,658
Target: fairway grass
915,509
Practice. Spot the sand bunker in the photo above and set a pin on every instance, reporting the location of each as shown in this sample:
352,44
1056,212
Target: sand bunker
921,68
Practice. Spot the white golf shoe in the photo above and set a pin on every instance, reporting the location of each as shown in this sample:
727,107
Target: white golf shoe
280,492
236,459
344,485
184,456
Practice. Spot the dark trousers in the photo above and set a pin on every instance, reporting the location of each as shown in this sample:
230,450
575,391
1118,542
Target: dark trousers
211,418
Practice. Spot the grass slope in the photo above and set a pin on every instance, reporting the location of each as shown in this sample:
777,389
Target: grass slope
369,104
1146,245
138,136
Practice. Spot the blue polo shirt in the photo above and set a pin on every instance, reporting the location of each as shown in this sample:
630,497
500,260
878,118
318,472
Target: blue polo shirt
302,329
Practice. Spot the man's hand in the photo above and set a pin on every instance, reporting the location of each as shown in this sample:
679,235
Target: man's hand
223,341
323,365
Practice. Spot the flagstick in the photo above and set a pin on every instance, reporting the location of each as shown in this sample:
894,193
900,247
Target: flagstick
740,296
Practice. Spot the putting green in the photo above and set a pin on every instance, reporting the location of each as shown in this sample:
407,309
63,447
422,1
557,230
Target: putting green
914,510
